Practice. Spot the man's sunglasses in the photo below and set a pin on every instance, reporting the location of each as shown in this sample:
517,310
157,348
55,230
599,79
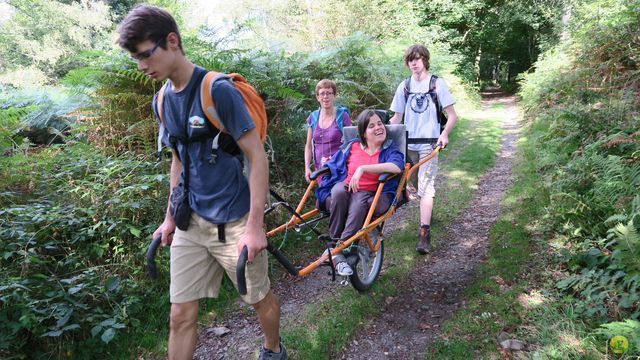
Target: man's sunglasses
147,53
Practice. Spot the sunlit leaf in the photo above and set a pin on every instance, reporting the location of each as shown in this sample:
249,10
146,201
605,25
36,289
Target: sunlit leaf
108,335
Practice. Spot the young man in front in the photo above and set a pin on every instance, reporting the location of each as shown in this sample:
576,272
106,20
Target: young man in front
227,211
421,121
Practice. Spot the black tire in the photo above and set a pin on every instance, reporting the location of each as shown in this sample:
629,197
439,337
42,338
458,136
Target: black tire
368,266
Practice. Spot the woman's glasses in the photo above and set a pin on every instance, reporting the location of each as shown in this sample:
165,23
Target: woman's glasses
325,93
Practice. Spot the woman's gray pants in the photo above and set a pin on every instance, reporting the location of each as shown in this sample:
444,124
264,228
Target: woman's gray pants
348,210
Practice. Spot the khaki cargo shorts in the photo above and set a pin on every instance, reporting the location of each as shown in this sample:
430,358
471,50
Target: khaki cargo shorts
198,260
425,180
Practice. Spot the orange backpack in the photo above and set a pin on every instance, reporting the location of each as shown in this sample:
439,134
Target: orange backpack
253,101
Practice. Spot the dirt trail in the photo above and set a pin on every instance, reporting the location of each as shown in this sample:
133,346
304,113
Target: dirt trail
412,318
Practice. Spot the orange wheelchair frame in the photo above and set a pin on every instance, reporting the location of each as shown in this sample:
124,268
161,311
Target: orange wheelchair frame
369,239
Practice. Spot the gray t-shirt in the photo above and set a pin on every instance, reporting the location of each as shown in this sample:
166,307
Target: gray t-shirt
420,117
219,192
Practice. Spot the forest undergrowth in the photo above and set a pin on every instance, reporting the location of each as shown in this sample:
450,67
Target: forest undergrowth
583,108
81,190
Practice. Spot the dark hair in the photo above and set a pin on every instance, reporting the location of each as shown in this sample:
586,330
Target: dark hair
145,22
363,122
417,52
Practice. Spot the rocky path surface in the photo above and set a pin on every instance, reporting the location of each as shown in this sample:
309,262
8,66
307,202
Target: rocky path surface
431,292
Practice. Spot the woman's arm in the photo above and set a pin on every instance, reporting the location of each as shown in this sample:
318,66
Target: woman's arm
387,167
308,155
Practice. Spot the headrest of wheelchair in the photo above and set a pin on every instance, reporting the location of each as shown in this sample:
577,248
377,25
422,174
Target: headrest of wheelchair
383,115
396,132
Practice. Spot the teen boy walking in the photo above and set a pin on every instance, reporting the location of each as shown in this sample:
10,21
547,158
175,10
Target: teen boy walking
420,118
227,210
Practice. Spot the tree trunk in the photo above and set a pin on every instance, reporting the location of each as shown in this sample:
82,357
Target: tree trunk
566,16
477,63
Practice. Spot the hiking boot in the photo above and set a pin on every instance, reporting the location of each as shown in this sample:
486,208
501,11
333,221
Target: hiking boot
424,239
266,354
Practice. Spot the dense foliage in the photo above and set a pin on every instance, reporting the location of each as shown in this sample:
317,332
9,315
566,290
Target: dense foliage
75,218
72,246
497,39
584,95
41,37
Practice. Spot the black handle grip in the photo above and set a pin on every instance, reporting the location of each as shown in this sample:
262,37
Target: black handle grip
240,267
384,177
282,260
152,270
317,173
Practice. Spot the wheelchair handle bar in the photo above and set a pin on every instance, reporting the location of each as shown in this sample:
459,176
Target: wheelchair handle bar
152,270
240,267
242,264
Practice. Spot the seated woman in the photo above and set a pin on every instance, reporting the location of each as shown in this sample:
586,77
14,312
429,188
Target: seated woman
348,189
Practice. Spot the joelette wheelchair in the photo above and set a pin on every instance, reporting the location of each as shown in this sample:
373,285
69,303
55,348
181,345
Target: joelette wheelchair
364,250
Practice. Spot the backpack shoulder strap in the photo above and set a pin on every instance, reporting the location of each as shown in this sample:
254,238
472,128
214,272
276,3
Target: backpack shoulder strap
315,116
158,110
159,100
407,88
432,90
341,113
206,98
432,82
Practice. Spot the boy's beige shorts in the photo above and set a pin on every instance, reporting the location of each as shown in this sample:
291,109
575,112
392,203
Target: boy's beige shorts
198,260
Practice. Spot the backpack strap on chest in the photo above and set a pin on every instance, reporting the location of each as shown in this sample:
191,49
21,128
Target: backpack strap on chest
341,114
252,100
209,111
434,94
407,88
432,88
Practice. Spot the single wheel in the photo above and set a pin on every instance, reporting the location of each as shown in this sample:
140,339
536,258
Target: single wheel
369,264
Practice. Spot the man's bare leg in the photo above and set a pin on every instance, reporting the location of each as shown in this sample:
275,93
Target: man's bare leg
426,208
183,330
268,310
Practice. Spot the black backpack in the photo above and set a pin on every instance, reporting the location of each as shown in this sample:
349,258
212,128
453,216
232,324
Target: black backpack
442,118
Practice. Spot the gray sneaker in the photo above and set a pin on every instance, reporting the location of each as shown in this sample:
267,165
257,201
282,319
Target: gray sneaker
266,354
342,268
340,263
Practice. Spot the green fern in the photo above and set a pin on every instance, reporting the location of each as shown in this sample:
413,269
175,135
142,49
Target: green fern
10,125
628,328
136,76
627,244
11,117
